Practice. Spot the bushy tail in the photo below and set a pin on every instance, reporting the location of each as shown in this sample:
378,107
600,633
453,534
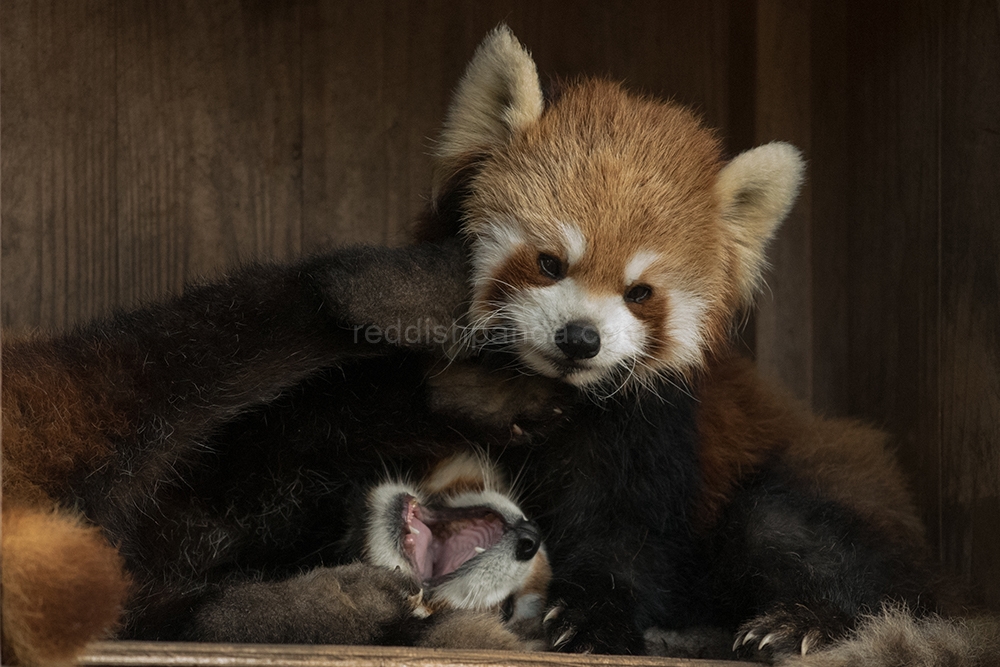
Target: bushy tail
63,586
896,638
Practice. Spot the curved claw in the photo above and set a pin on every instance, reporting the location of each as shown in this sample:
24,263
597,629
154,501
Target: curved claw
420,610
809,641
552,614
564,638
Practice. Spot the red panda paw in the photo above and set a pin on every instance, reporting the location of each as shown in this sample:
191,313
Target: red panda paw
790,629
598,629
356,603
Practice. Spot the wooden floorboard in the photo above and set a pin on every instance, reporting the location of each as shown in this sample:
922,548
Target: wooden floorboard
176,654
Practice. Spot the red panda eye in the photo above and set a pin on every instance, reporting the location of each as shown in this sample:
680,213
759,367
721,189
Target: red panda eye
638,294
550,266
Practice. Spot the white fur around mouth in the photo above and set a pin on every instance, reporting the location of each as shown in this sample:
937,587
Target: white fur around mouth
458,533
576,373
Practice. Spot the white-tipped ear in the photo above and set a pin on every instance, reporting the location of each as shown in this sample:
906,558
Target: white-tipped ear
756,191
498,95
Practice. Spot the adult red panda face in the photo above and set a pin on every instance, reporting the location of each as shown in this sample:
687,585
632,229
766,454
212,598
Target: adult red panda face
610,242
462,537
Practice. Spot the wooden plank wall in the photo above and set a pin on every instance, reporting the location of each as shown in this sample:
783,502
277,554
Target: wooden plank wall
885,303
144,144
923,251
148,143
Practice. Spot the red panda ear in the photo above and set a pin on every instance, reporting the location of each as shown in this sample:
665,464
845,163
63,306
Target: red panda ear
756,191
499,95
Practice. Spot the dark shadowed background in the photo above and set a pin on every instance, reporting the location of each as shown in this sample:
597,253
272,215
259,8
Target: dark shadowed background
146,143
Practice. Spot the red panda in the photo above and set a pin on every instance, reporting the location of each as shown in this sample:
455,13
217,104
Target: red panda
446,561
99,421
612,248
608,237
462,536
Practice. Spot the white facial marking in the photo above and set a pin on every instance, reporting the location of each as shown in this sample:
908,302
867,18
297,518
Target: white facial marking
541,312
485,580
464,466
684,326
636,266
381,533
576,242
496,575
495,499
494,242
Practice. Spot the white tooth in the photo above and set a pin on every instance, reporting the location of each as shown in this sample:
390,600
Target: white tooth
557,411
518,431
480,550
414,531
805,644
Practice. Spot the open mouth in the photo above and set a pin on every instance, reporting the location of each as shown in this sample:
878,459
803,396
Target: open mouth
438,540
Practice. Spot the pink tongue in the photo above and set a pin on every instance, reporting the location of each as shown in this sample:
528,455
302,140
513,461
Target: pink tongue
461,546
419,545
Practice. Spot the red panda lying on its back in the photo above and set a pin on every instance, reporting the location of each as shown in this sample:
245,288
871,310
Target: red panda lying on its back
447,562
462,536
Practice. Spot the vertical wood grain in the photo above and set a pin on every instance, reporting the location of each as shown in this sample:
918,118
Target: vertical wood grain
829,225
344,180
782,110
147,143
179,137
893,365
378,77
373,93
969,389
57,120
209,131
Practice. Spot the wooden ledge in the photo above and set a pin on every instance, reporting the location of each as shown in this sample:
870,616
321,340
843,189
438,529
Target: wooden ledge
177,654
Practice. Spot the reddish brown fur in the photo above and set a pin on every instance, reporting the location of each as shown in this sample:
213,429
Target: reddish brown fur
744,421
468,484
519,272
741,425
51,425
654,314
63,585
541,574
54,565
633,174
852,463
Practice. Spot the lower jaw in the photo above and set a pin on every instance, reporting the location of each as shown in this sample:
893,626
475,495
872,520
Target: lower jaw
577,377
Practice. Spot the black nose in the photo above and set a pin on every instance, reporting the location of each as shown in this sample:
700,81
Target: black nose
579,340
529,538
